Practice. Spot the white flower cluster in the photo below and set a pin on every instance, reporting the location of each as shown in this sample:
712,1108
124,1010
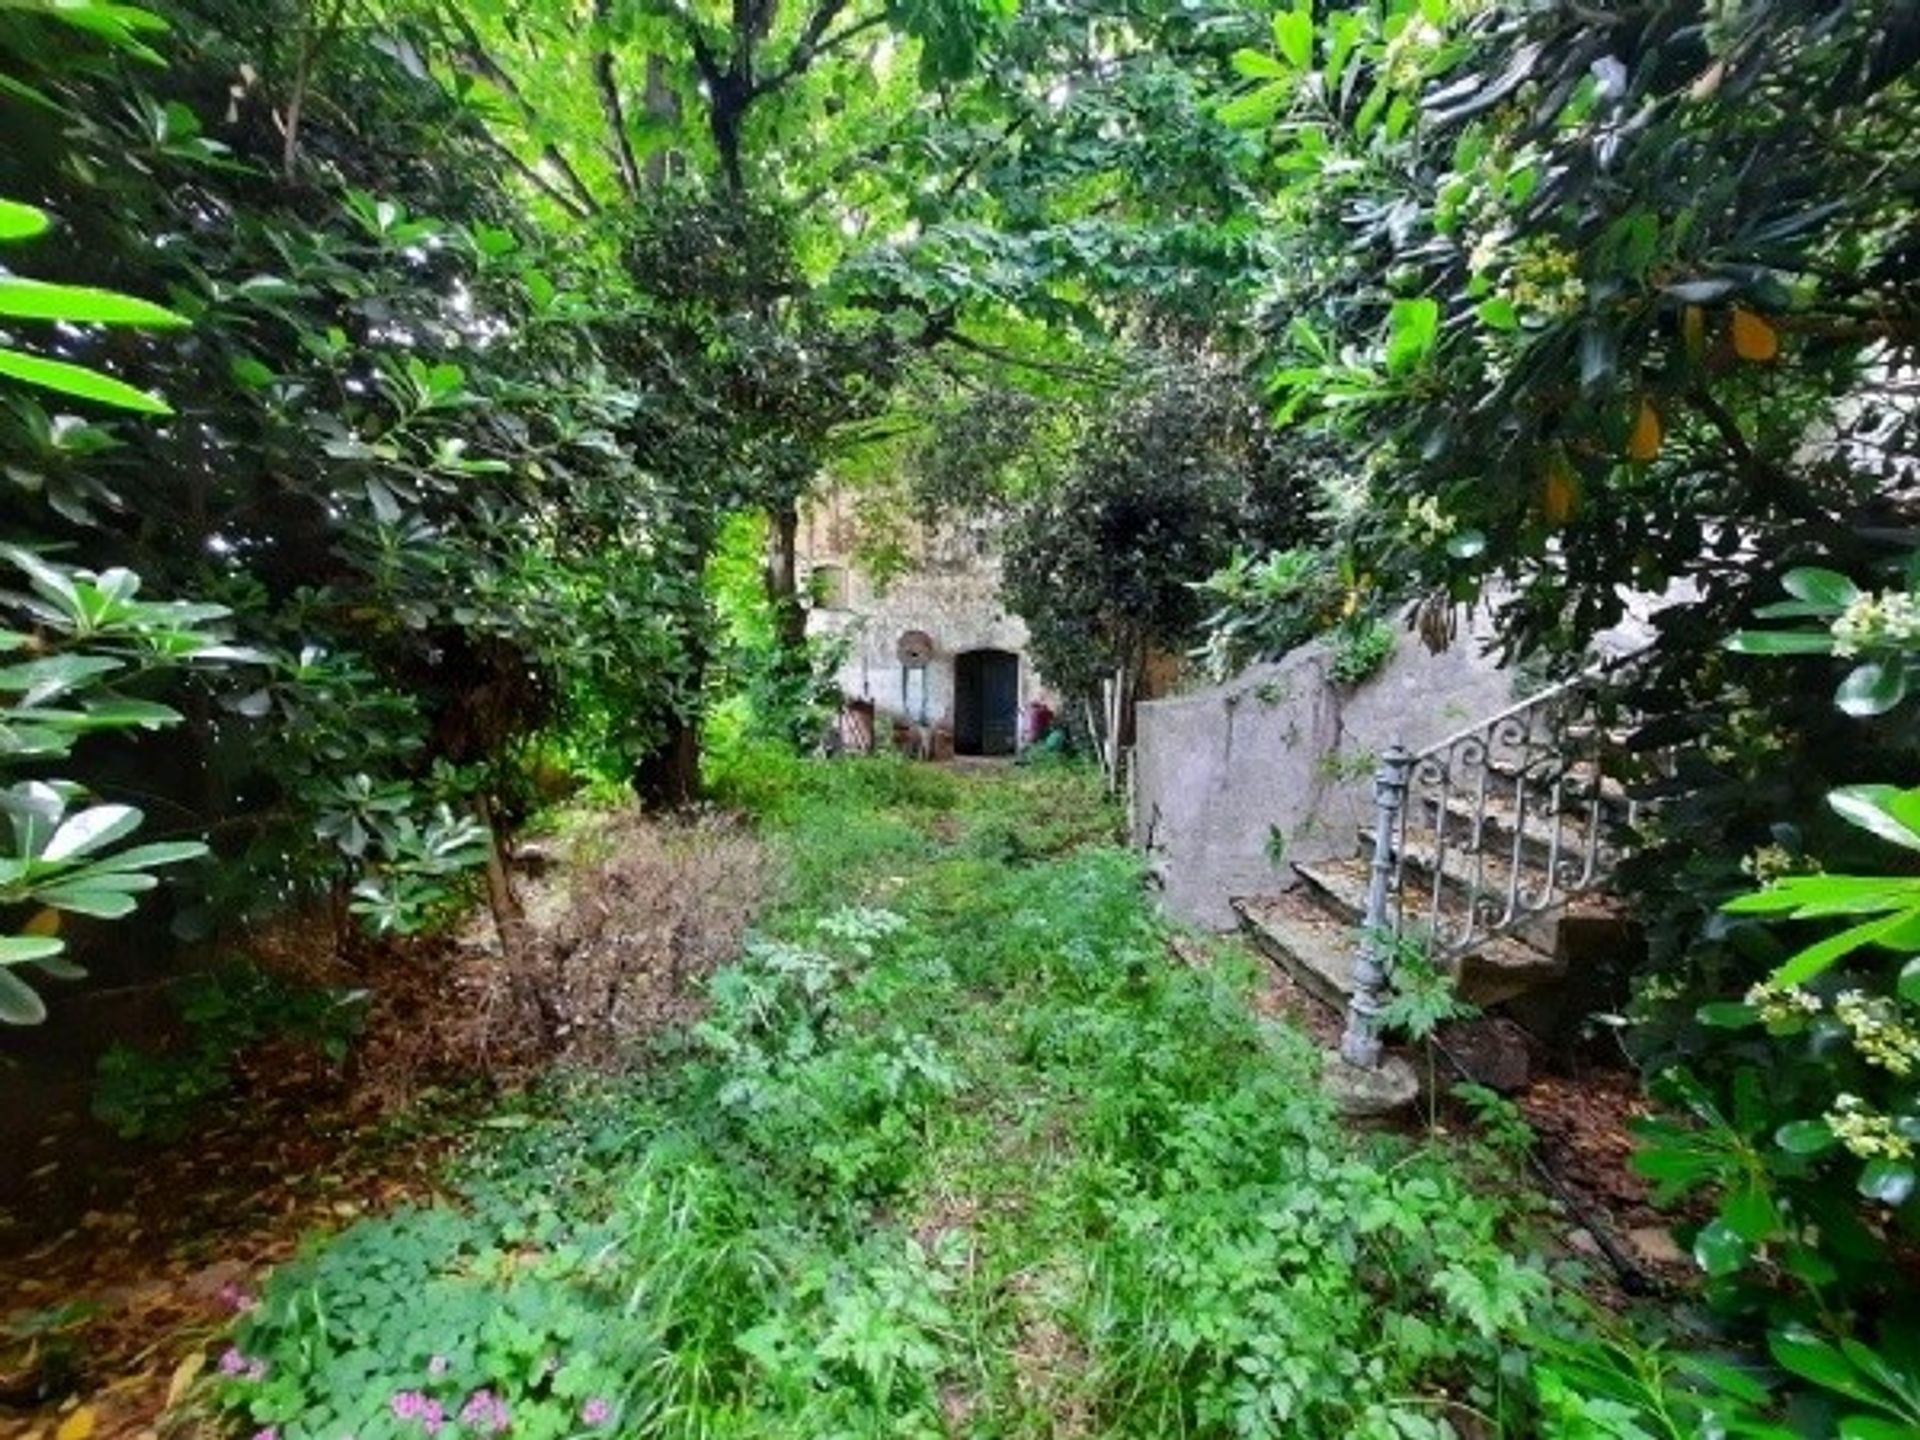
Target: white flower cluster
1768,864
1544,280
1427,522
1405,59
1865,1133
1658,989
1746,738
1485,253
1874,622
1878,1032
1778,1005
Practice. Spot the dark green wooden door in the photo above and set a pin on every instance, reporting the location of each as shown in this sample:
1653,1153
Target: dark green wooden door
986,702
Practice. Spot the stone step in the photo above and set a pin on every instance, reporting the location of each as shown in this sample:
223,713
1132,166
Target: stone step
1578,778
1295,930
1497,968
1501,825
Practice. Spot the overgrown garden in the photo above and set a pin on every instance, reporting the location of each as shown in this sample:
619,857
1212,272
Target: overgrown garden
408,412
959,1146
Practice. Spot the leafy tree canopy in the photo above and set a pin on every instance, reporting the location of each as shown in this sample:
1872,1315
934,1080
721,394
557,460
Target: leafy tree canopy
1169,477
1603,300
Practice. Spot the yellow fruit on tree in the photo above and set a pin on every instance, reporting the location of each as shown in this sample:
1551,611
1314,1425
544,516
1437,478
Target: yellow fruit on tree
1753,337
1560,494
1644,443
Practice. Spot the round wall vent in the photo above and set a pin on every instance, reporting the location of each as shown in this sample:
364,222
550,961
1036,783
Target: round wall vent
915,647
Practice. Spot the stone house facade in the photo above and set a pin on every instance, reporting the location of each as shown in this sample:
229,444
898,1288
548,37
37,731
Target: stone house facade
933,650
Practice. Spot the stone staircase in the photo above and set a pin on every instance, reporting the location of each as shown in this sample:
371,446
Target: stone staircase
1312,931
1494,842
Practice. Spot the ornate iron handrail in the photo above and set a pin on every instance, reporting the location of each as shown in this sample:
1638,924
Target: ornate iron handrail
1496,824
1510,818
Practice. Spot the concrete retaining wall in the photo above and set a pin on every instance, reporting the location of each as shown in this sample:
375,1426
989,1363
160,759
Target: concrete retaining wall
1280,759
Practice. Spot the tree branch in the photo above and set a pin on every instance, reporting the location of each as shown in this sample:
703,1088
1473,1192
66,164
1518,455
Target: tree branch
316,32
852,165
1767,479
609,88
1061,369
815,42
840,37
979,157
532,176
704,60
474,56
740,61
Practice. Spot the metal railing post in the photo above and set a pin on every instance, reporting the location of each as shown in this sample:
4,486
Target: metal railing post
1360,1044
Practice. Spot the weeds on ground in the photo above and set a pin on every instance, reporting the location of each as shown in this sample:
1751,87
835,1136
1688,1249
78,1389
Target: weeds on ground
651,909
158,1094
957,1148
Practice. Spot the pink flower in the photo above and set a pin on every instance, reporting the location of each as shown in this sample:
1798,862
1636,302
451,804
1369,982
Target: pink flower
272,1432
596,1411
485,1413
412,1405
236,1299
233,1362
256,1369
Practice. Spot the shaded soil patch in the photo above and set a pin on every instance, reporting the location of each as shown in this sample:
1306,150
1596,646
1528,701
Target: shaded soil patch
108,1307
120,1262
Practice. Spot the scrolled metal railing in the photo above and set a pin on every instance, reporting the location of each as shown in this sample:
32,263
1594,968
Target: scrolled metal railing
1511,817
1489,828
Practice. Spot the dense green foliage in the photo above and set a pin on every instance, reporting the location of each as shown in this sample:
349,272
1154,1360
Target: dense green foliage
91,646
1602,301
1168,478
453,476
1799,1091
374,460
960,1142
1586,292
478,330
409,411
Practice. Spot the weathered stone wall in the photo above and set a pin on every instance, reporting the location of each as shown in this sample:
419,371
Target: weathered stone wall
952,592
960,610
1235,782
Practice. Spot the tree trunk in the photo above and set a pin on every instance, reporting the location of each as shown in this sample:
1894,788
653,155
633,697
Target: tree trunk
509,920
668,776
783,578
728,110
663,107
1133,676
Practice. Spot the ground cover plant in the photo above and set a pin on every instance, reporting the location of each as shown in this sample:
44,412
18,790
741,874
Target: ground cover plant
959,1145
409,414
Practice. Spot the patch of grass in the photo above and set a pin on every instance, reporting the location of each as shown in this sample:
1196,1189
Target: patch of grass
1361,646
958,1148
768,779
